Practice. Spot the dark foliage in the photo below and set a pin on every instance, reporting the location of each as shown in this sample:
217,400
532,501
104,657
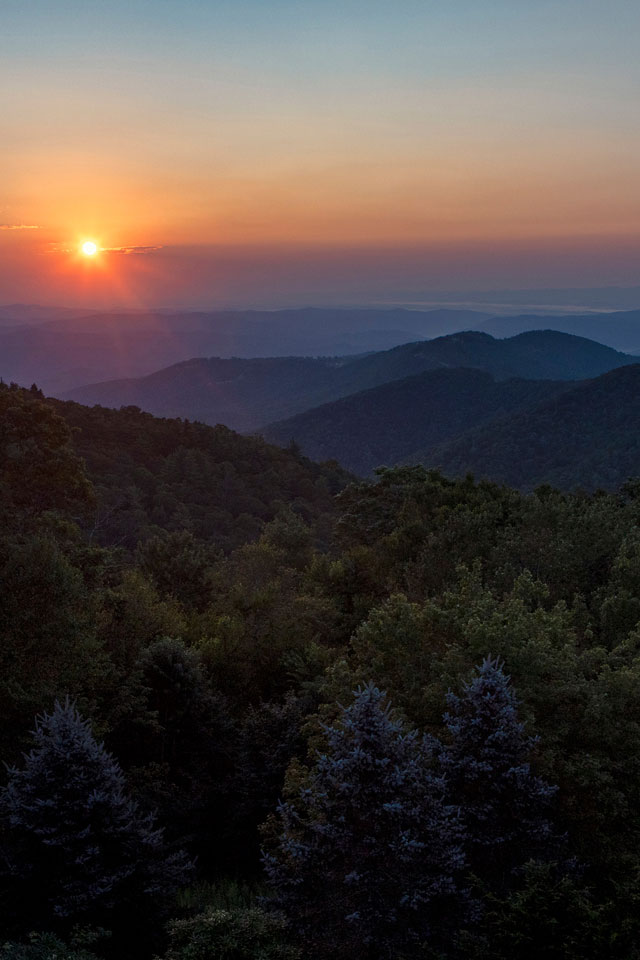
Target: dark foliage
208,603
155,475
38,469
369,860
79,848
504,806
586,438
388,424
44,946
231,934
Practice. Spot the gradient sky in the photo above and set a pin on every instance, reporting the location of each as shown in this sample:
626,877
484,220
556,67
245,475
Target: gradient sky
266,151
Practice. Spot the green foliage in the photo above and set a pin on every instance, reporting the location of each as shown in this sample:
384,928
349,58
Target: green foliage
49,646
223,894
214,606
235,934
550,914
179,566
620,596
38,469
265,615
180,741
45,946
153,475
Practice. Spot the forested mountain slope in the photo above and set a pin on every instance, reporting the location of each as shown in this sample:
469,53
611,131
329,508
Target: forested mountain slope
151,474
246,394
387,424
587,437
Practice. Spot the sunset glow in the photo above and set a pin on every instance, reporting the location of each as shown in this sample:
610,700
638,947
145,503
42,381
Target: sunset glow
468,131
89,248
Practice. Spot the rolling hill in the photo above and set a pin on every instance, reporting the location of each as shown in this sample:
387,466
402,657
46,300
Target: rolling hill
586,437
247,394
620,330
387,424
152,474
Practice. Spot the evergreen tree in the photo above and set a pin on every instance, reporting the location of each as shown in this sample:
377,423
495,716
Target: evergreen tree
504,805
79,849
368,861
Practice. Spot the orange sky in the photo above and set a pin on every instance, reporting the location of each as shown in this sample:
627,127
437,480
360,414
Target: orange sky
320,125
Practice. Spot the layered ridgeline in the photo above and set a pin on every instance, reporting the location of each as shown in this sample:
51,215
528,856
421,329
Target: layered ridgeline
62,349
586,437
389,424
247,394
71,350
620,329
522,433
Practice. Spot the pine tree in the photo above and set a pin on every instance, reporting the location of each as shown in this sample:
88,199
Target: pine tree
79,848
368,861
505,807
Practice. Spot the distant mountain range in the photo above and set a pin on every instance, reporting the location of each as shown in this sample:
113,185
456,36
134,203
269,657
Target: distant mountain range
247,394
508,409
72,350
620,330
64,348
17,314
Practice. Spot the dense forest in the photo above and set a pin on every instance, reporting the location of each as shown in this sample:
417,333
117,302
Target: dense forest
252,707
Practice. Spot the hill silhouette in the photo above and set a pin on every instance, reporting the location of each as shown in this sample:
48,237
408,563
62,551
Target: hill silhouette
386,425
247,394
72,350
620,330
586,437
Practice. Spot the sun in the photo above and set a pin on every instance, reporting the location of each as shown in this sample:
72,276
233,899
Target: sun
89,248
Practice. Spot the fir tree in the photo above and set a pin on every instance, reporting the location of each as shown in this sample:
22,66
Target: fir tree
505,807
79,848
368,860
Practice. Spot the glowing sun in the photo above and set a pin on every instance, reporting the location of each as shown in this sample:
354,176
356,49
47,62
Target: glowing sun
89,248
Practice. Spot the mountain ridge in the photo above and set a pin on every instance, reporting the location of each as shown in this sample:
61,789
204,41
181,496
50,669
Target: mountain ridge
263,390
384,426
586,437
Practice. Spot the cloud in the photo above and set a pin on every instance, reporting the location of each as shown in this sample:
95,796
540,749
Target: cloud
74,248
130,249
18,226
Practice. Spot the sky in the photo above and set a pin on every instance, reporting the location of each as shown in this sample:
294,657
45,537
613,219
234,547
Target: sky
268,152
